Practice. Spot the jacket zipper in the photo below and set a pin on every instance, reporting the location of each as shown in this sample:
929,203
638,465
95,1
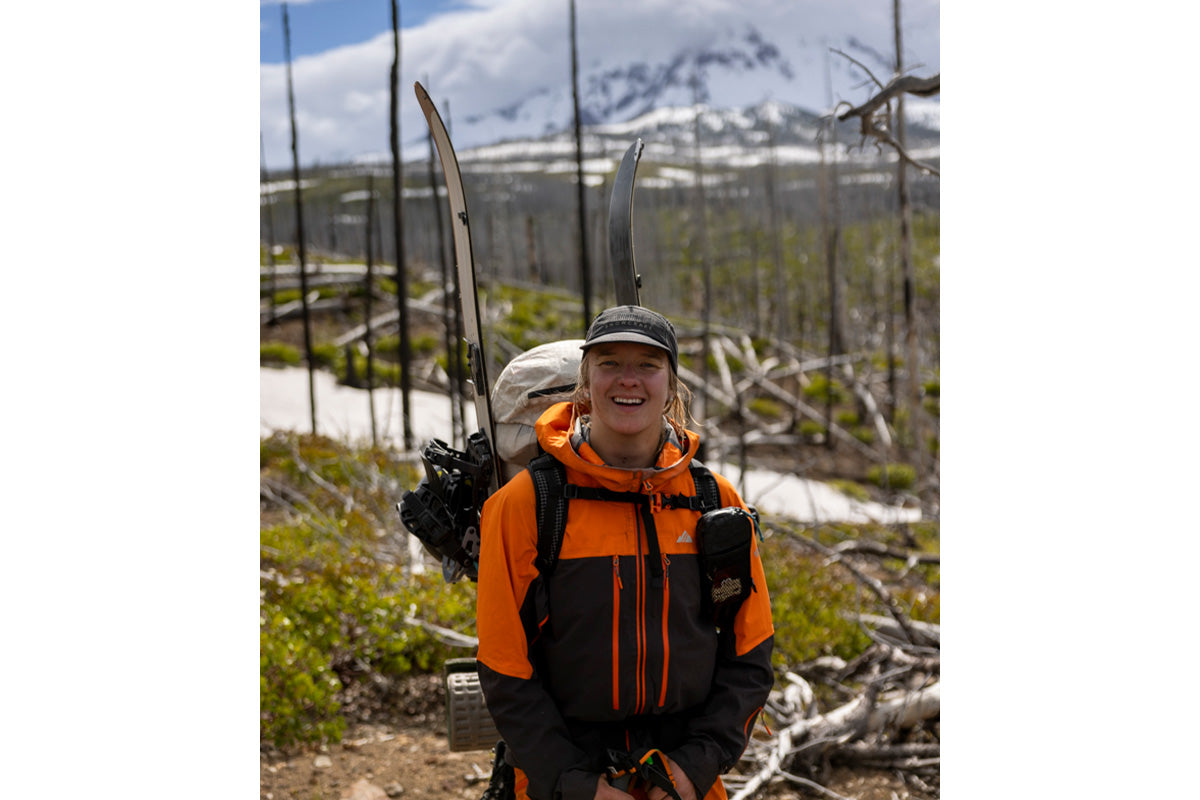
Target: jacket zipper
640,674
666,642
616,633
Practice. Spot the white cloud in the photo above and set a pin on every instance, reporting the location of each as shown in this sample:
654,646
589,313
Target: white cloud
496,53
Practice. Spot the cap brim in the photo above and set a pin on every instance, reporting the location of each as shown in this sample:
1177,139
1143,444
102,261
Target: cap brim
625,336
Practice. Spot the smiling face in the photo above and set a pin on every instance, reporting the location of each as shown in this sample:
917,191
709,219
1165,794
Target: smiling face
628,387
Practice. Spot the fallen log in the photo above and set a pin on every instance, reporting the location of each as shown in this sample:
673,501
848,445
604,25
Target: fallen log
853,720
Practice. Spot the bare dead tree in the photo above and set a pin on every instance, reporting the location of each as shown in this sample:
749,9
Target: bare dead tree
874,113
585,262
776,235
368,337
398,226
308,350
270,196
831,228
701,233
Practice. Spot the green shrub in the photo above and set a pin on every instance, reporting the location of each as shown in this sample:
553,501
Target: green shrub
811,429
893,476
808,601
864,433
283,255
426,344
847,419
278,353
766,407
387,345
329,610
383,373
327,354
820,388
851,489
813,601
333,605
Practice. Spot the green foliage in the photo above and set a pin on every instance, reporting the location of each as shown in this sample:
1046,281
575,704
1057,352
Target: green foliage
820,387
893,476
847,419
424,344
814,601
278,353
811,429
283,255
534,317
387,345
850,489
383,373
333,605
327,354
766,407
809,601
864,433
931,400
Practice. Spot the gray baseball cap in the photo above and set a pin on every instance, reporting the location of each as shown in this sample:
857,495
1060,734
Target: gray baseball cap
634,324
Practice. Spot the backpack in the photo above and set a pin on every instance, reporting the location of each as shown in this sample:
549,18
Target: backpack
443,511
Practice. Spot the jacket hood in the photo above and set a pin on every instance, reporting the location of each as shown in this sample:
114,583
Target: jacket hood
555,433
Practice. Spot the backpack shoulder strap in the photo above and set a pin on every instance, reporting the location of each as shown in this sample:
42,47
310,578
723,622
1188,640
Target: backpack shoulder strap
549,479
706,486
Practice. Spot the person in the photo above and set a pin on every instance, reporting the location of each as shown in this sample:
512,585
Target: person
613,650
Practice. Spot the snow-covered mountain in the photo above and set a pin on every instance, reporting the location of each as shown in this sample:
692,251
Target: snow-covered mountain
733,138
500,71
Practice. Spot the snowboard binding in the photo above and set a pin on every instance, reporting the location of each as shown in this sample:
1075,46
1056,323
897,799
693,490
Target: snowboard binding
443,511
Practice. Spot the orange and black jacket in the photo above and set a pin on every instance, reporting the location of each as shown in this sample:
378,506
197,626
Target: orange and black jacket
611,650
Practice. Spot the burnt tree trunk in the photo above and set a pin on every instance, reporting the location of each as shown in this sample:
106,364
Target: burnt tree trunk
585,264
368,337
398,225
308,350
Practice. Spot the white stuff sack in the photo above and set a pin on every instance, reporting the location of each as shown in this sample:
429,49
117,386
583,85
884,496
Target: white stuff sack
528,385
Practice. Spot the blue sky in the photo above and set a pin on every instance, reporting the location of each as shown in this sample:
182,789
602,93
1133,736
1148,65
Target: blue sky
319,25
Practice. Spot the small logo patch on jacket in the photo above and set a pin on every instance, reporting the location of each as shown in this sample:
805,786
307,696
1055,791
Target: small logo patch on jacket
683,537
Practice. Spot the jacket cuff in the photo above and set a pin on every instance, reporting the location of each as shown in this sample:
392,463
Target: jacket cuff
576,784
700,766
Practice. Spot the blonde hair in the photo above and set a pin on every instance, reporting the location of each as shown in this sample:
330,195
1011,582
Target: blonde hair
677,412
